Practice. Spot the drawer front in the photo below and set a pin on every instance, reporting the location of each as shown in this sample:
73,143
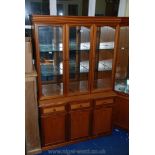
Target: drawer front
53,109
103,102
80,105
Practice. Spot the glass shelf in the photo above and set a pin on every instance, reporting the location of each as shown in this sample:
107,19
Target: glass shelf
86,46
50,48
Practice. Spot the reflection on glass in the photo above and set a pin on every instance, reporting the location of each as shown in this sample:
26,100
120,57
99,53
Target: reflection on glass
122,65
104,57
79,48
72,7
60,9
106,7
40,7
50,44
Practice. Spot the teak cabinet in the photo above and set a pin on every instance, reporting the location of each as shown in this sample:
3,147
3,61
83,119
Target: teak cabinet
79,62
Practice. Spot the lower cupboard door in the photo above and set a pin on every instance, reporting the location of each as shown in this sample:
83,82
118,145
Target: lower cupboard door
102,121
53,129
80,124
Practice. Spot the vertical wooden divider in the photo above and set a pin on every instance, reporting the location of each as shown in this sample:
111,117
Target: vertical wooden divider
66,55
115,54
64,58
93,45
38,61
77,61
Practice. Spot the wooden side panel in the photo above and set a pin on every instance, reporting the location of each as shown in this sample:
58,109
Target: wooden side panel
53,128
28,55
80,122
121,112
31,117
102,120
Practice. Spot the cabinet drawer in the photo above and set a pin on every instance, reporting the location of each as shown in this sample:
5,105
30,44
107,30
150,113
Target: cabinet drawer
80,105
103,102
53,109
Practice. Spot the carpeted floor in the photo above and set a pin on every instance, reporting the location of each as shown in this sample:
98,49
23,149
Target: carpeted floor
115,144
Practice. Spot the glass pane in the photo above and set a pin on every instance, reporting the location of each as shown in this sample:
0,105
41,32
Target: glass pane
79,41
60,9
104,57
40,7
51,60
72,7
122,65
106,7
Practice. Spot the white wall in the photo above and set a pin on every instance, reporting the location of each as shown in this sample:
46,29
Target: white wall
127,9
123,8
53,7
91,7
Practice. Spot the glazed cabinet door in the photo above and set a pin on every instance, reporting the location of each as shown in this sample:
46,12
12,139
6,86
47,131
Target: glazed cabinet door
103,57
50,49
102,120
53,129
79,59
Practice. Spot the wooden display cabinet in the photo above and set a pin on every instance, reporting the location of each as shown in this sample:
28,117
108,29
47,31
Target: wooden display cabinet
121,107
76,60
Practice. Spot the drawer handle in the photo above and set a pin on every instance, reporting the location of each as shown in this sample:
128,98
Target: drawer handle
81,106
54,110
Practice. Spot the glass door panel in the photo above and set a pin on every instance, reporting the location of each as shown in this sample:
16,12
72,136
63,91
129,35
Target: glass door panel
79,49
122,64
51,60
104,57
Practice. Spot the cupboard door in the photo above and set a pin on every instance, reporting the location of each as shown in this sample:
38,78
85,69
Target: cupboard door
53,128
102,120
51,57
121,112
103,57
80,123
